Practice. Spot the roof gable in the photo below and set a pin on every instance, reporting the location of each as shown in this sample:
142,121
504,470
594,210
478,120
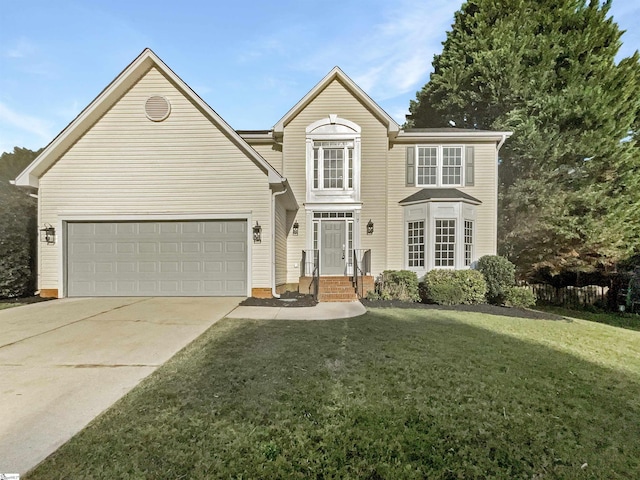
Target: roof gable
352,87
109,96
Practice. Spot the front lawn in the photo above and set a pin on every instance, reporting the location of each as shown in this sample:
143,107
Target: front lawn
623,320
392,394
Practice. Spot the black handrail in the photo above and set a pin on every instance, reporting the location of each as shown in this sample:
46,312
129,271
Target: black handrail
316,274
311,265
360,269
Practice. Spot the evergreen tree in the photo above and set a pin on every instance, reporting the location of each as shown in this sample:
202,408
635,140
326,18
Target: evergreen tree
18,227
546,70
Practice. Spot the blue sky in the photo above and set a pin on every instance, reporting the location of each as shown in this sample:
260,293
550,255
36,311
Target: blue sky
250,61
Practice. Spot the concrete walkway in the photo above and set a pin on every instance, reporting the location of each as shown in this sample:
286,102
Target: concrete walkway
63,362
322,311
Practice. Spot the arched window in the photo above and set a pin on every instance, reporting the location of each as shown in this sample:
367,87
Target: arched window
333,156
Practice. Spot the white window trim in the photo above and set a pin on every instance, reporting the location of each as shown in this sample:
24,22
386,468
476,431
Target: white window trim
346,163
328,129
439,166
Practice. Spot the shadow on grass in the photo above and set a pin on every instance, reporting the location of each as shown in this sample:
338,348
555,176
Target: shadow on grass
629,321
387,395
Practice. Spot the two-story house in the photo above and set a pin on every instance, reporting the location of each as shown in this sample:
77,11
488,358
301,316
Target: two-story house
148,191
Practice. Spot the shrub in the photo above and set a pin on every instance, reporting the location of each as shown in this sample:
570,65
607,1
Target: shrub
520,297
18,231
453,287
398,285
500,275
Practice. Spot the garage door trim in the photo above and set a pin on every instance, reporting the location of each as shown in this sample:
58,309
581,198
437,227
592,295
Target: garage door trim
64,219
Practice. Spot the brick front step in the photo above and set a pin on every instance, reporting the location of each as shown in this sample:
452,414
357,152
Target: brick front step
336,289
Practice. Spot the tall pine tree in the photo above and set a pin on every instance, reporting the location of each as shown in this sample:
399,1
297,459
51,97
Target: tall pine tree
570,174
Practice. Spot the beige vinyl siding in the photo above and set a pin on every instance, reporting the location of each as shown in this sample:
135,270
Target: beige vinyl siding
485,190
281,242
336,99
272,153
128,165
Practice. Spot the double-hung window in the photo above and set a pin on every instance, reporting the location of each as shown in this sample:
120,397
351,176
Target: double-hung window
445,243
415,241
439,166
333,165
468,242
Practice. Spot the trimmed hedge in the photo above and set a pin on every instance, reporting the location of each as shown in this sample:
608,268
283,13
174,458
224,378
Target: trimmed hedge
453,287
500,275
397,285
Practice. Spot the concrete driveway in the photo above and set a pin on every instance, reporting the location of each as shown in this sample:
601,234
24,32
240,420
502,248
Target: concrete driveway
65,361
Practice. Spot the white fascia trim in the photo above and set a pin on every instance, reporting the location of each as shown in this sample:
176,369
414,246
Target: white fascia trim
441,200
258,136
64,218
414,137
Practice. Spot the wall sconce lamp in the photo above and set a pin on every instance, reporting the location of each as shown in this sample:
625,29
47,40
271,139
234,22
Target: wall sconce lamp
295,228
370,227
48,234
257,233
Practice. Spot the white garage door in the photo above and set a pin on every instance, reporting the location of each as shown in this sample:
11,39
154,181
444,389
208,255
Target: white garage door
191,258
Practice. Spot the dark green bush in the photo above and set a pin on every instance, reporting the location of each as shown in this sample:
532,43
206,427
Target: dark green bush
500,275
520,297
398,285
18,231
453,287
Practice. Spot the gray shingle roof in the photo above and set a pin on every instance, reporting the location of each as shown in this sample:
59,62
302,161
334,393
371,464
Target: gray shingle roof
439,194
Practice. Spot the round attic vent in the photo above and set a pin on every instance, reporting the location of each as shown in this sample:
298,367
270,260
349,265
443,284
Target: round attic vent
157,108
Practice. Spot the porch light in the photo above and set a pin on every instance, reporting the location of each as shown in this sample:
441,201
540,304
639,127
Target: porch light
257,233
370,227
48,234
295,228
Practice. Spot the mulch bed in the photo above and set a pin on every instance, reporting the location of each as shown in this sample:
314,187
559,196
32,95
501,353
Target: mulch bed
295,299
25,300
287,299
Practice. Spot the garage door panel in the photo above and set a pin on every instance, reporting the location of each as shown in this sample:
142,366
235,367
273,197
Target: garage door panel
157,258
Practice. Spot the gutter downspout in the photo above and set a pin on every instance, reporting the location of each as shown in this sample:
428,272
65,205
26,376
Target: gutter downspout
504,139
273,242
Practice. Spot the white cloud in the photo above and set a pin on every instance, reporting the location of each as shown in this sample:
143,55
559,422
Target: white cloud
26,123
21,49
400,49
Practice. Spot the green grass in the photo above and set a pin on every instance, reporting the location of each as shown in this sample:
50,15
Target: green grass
630,321
392,394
